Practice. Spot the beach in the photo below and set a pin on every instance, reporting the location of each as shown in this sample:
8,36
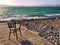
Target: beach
34,31
38,21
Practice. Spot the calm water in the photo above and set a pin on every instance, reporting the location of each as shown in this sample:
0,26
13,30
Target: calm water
29,10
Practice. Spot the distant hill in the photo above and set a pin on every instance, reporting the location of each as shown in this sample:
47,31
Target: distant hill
50,5
43,5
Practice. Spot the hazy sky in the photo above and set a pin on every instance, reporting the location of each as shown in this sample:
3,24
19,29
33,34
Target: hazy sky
29,2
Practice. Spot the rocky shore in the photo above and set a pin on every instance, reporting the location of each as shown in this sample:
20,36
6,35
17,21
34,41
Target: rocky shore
47,28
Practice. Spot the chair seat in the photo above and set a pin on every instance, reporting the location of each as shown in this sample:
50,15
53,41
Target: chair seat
13,28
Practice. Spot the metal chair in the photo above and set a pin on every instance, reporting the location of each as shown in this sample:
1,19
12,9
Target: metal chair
13,29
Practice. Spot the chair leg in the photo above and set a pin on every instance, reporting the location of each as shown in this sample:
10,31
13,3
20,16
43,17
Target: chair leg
20,30
9,34
14,32
16,35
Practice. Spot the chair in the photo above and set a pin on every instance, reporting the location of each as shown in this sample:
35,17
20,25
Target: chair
13,29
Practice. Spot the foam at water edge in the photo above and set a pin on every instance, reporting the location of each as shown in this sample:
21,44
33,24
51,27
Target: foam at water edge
19,17
52,14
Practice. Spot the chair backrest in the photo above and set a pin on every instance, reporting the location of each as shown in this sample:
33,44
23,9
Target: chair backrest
11,24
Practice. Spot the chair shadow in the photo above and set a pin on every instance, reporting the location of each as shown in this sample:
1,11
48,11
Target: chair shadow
22,42
14,41
26,42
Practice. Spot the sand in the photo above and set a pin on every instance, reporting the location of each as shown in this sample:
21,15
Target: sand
30,32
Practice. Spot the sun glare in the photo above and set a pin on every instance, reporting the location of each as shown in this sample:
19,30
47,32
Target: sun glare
4,1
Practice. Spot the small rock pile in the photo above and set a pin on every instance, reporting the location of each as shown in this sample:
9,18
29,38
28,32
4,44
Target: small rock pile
52,35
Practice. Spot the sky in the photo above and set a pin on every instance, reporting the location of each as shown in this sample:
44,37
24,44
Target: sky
29,2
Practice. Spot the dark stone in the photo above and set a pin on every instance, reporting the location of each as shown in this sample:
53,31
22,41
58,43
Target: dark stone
58,44
40,34
52,27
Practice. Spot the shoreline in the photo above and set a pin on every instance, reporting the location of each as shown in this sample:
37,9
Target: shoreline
25,17
29,18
